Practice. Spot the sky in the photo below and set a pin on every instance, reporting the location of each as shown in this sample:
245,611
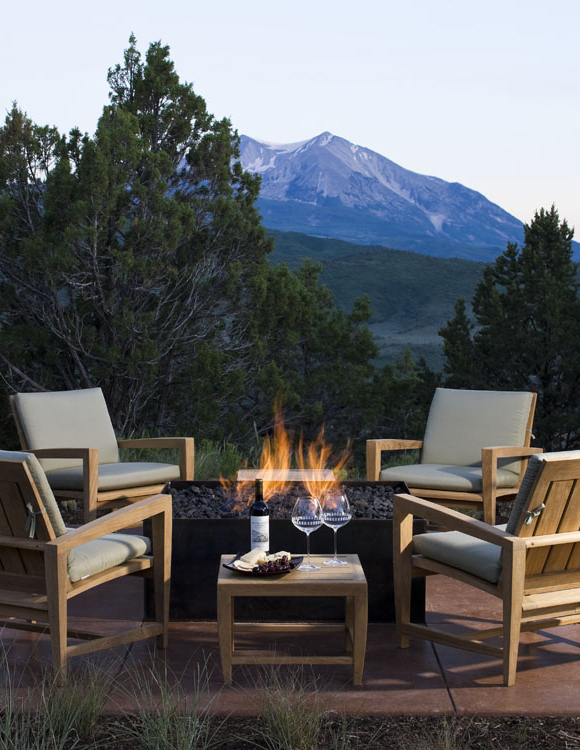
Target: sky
481,92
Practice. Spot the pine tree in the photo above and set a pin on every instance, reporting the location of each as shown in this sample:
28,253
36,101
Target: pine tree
460,368
527,309
127,255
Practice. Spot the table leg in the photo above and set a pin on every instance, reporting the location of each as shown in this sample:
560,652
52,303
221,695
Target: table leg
360,636
225,633
349,622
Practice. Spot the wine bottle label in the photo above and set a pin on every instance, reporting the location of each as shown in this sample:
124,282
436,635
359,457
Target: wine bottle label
260,532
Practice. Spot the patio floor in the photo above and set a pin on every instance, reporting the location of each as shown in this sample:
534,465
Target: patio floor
424,679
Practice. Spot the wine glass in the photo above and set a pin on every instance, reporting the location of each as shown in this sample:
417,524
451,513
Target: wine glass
336,512
307,516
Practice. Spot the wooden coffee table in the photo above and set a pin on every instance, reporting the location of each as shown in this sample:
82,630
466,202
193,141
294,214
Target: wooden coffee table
348,581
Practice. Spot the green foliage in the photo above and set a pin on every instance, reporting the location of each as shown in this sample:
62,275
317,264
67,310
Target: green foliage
119,251
214,460
50,717
135,260
314,358
163,715
458,348
527,310
412,295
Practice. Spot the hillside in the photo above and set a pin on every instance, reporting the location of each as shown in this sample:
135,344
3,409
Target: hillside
412,295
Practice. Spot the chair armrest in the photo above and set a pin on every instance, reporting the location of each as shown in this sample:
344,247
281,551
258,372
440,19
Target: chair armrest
185,445
118,519
375,447
509,451
407,505
84,453
545,540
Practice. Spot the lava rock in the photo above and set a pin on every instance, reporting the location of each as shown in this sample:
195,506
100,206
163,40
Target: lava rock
211,501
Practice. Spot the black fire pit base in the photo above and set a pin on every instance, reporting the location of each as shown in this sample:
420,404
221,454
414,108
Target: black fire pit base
199,543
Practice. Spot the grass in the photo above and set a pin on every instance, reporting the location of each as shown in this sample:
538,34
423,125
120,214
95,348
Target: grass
49,717
292,716
164,715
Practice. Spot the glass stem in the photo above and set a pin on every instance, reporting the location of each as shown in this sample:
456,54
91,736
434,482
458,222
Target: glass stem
335,550
308,549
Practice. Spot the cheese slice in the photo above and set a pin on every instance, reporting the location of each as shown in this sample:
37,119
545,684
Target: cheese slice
241,565
254,557
279,555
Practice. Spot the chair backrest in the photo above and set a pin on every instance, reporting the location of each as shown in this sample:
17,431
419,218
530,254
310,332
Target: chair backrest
462,422
27,510
548,502
66,419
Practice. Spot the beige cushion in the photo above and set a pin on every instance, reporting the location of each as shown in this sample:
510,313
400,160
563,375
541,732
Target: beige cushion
106,552
115,476
42,486
451,478
461,423
528,482
67,419
481,559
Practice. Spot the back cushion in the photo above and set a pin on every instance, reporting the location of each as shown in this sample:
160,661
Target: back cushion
67,419
461,423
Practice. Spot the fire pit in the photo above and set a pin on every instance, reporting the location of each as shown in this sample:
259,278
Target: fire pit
209,521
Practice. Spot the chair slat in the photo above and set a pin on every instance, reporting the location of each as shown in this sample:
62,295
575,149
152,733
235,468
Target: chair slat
559,556
11,560
548,522
18,491
18,496
535,498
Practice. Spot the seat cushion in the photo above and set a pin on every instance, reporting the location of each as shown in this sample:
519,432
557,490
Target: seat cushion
106,552
451,478
529,480
67,419
481,559
115,476
461,423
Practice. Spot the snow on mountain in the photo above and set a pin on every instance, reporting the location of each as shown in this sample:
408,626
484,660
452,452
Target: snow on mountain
330,187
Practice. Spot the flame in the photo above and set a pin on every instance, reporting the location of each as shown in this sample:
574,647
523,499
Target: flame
318,453
276,458
275,466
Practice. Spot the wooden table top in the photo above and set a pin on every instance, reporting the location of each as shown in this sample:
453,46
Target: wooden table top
339,580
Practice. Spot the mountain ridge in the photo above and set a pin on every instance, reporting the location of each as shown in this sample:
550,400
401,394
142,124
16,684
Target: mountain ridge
328,186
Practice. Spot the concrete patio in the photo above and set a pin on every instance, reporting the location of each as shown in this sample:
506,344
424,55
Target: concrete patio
424,679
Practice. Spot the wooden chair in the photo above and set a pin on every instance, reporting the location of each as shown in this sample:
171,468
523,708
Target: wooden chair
468,451
533,565
43,565
72,435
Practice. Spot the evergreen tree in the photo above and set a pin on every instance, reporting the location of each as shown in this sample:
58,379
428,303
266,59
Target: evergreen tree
135,260
460,366
124,256
527,309
316,359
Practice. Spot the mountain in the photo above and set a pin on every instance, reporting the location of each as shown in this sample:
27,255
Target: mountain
329,187
412,295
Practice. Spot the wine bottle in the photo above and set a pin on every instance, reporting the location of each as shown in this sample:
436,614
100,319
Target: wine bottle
259,519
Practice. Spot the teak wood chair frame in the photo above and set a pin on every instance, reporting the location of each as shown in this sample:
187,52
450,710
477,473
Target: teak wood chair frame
89,496
34,583
539,585
485,500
